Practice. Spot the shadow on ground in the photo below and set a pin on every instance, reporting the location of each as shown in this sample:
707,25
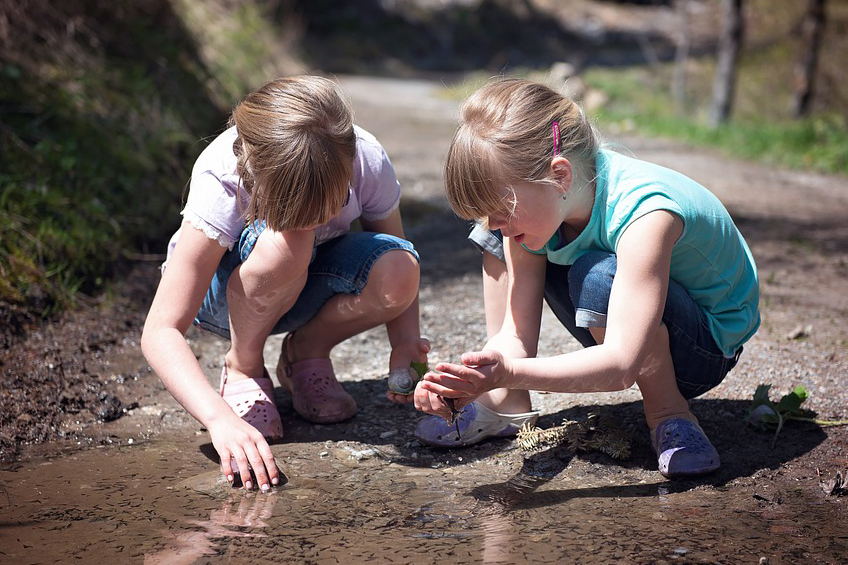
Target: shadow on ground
744,450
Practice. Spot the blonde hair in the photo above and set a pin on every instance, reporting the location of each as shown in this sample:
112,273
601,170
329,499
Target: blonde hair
295,151
505,136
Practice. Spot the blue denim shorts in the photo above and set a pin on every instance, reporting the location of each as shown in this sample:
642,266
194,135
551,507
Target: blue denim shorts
579,294
338,266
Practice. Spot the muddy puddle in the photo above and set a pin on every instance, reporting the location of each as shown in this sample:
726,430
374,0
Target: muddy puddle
162,502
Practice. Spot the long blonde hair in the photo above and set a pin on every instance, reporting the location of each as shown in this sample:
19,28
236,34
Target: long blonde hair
506,136
295,151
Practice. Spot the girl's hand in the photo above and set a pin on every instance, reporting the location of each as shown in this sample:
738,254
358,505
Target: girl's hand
431,403
235,439
481,371
401,357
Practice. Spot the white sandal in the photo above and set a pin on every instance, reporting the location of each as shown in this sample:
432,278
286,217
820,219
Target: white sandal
474,423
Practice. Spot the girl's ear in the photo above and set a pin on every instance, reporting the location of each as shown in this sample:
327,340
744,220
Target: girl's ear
562,172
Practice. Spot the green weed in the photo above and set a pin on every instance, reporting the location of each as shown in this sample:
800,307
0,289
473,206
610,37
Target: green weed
765,414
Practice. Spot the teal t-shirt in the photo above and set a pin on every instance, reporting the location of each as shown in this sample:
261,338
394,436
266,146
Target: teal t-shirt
711,259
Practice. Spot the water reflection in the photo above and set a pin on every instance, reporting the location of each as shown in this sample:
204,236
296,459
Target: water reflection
501,534
551,509
240,510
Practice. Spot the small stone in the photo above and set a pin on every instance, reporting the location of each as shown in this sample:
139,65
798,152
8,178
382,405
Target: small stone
800,332
403,380
762,414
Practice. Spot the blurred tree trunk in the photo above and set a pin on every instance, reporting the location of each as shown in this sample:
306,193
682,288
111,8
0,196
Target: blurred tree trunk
812,28
728,55
681,57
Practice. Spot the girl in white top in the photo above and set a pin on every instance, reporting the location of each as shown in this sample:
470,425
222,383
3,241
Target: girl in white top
265,247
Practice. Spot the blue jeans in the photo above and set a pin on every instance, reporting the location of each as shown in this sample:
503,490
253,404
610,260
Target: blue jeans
338,266
579,294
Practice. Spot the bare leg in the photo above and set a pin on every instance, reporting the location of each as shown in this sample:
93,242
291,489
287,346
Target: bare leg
258,295
500,400
391,288
661,398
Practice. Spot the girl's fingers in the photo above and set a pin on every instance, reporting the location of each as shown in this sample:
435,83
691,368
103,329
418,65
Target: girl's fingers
226,468
441,390
424,402
466,383
259,471
399,398
422,399
460,372
243,469
270,464
476,358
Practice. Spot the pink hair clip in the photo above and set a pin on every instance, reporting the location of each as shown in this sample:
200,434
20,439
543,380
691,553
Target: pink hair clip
556,138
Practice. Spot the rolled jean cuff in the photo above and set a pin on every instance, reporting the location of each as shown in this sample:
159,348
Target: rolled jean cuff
485,240
584,318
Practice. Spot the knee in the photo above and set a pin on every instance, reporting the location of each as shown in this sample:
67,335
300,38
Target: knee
590,280
393,280
275,272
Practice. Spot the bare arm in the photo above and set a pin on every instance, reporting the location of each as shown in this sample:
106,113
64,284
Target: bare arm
178,298
635,311
519,334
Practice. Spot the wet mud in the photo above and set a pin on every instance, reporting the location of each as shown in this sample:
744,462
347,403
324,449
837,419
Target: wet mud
146,503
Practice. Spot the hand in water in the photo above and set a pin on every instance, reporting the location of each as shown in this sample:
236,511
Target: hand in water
243,449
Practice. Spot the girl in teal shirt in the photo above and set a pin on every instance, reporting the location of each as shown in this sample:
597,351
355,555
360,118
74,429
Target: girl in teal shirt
643,265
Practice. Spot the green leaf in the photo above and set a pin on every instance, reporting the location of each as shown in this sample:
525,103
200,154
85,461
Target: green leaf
420,368
761,396
791,402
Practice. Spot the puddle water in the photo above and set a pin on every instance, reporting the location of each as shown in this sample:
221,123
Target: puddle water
164,502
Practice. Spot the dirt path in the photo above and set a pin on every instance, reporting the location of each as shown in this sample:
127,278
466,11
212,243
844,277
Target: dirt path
794,221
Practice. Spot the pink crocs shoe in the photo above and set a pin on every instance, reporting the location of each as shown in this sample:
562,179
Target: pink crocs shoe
253,401
317,395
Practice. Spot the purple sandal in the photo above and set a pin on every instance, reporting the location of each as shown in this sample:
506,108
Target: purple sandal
683,449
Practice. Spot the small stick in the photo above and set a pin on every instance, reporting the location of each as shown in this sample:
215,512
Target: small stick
454,419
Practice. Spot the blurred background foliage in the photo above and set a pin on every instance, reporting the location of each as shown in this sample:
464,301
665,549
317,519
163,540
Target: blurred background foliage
105,105
103,108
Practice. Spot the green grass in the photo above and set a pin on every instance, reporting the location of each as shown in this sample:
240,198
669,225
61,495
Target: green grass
640,102
86,172
98,142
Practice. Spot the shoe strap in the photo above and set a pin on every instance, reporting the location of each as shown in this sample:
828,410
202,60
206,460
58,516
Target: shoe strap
487,414
223,380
